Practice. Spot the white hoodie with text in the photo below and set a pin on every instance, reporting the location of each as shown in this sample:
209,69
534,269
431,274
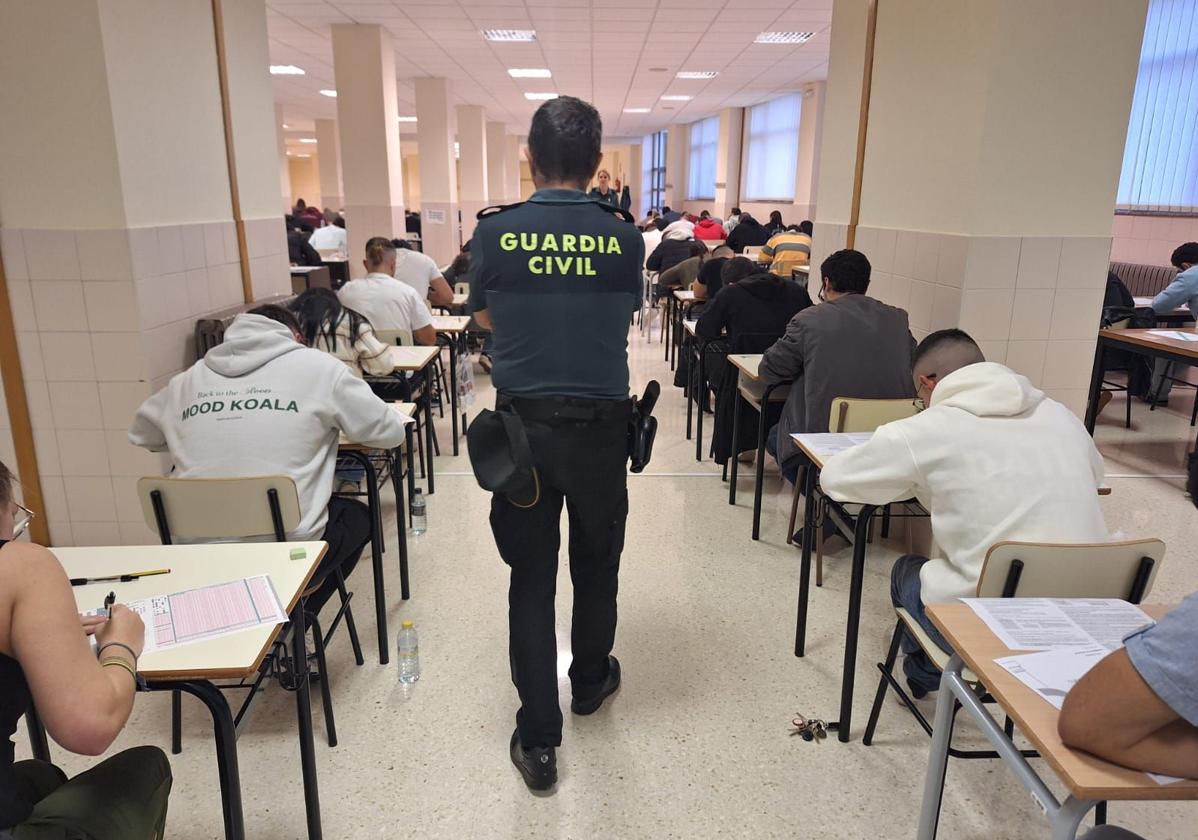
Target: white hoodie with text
992,459
260,403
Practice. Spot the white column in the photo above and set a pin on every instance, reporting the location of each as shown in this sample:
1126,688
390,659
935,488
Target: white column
332,193
368,129
811,119
677,154
284,170
497,163
472,165
515,154
727,161
440,228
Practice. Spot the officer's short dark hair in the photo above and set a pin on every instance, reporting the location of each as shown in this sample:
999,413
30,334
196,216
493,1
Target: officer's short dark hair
278,313
1185,253
564,139
847,272
736,269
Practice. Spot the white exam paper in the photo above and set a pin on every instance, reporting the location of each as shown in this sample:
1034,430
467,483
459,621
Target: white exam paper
1176,335
1059,623
824,445
1051,673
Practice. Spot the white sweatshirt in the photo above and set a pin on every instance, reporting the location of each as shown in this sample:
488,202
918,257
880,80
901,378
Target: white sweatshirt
991,459
262,404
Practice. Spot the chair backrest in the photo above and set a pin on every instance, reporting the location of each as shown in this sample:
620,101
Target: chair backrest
1079,570
330,253
461,288
219,508
751,251
712,244
850,414
401,337
1144,280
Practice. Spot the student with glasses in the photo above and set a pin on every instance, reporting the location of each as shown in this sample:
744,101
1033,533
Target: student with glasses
83,699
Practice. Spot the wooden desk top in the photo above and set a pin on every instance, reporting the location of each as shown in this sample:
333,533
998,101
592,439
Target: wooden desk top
450,323
413,357
406,410
227,657
686,296
1145,338
747,364
305,269
1086,777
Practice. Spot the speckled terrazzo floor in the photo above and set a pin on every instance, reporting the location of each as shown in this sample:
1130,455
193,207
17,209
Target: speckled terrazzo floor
695,745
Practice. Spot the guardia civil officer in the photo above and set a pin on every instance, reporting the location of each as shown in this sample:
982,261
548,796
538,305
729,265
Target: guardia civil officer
557,279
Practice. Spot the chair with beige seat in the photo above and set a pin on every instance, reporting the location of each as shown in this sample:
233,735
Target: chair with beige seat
850,414
255,508
1123,569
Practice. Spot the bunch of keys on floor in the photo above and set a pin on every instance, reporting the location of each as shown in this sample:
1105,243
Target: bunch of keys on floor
812,729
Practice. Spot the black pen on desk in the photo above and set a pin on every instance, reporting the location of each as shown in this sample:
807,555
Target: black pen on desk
125,578
109,600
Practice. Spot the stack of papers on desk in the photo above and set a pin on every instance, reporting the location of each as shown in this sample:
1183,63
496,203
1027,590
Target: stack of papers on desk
1176,335
826,444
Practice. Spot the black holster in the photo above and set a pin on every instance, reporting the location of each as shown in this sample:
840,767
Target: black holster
642,428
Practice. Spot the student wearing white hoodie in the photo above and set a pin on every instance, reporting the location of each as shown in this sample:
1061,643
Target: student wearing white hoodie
261,403
991,459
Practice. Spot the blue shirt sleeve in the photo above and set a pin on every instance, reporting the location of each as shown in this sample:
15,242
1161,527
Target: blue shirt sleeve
1164,655
1182,290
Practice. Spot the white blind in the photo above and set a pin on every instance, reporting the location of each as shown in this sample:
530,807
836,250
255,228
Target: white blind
1160,161
773,149
705,138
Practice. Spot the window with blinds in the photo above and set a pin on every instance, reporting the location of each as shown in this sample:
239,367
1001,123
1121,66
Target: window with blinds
772,149
704,140
653,172
1160,161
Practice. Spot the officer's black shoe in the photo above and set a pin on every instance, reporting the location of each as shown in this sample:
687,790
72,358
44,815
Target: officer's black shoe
538,765
610,686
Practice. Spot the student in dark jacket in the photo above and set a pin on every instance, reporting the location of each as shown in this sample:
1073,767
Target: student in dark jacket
753,307
299,252
775,225
748,233
677,245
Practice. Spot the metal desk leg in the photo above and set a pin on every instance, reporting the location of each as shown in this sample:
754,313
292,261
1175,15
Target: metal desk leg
408,445
1096,375
225,734
933,786
689,390
38,742
303,714
374,502
805,564
759,478
402,532
453,388
854,622
700,401
736,400
428,426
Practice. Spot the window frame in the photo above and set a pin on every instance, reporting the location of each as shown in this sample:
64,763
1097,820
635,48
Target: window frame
785,131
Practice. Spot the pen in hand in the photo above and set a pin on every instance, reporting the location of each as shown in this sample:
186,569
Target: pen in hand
109,600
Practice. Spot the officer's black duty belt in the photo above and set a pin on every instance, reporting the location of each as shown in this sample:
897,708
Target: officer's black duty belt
570,409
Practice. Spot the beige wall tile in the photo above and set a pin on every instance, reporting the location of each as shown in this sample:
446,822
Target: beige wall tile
900,291
37,394
271,276
29,346
59,305
83,452
76,405
194,255
111,306
1027,357
119,357
1067,364
927,256
54,499
137,533
950,269
45,445
1039,260
20,295
214,244
144,252
1076,313
919,304
199,293
67,356
170,250
986,313
96,533
51,254
104,254
90,499
1085,261
1032,314
883,256
128,460
13,249
128,505
992,262
1072,398
946,307
169,348
904,253
879,286
229,231
994,351
119,402
224,281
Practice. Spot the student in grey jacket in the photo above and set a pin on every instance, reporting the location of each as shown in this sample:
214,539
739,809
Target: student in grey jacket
850,345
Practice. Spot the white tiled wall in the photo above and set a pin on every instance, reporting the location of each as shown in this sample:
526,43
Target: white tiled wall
1151,239
103,317
1032,303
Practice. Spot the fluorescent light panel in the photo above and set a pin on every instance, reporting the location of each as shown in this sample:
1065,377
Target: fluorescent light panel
307,139
636,110
286,70
677,98
783,37
539,97
529,73
407,119
697,74
517,35
327,92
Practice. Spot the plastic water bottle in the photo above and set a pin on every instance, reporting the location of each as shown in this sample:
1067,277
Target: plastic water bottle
409,654
419,517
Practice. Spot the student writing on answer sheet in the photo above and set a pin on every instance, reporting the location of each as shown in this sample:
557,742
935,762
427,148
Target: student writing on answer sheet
991,459
84,702
1182,291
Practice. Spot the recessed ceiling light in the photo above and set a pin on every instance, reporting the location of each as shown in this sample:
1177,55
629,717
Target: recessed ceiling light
783,37
636,110
303,156
529,73
521,35
407,119
327,92
307,139
286,70
697,74
677,98
286,126
658,69
539,97
667,108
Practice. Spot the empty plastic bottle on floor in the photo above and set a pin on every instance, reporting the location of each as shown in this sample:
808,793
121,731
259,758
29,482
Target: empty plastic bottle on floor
409,654
419,517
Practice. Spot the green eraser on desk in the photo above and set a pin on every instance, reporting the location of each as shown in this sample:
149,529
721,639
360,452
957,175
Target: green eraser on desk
299,553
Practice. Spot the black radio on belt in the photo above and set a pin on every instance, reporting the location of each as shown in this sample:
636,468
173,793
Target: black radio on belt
642,427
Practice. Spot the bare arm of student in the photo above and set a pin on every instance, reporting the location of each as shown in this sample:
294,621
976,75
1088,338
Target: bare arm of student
425,335
362,416
1115,715
146,431
873,473
439,291
83,705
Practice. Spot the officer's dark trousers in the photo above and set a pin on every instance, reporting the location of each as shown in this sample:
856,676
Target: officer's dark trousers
584,465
